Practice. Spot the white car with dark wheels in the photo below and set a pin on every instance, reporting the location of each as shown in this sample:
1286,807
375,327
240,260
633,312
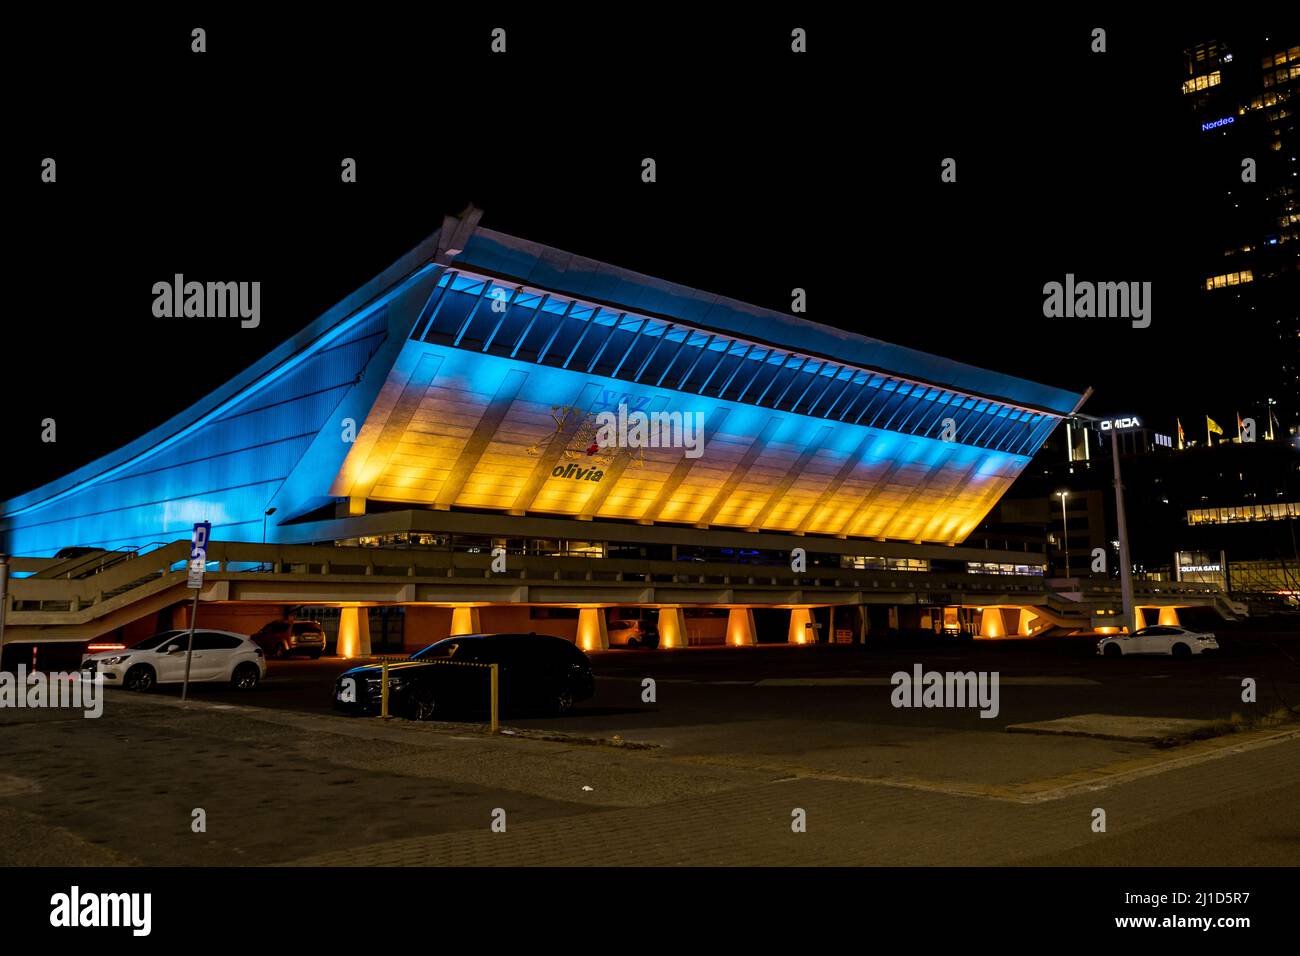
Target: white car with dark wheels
216,657
1159,639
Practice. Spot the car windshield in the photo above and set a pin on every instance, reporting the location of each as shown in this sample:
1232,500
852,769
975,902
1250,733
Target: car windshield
149,643
443,649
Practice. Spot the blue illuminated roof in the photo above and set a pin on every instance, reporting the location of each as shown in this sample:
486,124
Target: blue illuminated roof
268,441
543,266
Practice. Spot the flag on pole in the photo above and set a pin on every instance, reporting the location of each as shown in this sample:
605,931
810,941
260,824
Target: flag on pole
1180,433
1211,428
1238,428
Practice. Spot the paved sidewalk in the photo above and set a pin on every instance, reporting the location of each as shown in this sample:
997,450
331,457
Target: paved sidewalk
852,824
289,788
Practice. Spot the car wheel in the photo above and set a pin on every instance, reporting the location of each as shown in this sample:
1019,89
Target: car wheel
284,652
1180,650
633,642
421,704
1112,650
245,677
563,701
140,678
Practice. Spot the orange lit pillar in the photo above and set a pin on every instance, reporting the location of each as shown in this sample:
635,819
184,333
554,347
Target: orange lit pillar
991,623
593,632
800,632
740,627
1140,615
354,632
464,620
1169,616
1028,617
672,627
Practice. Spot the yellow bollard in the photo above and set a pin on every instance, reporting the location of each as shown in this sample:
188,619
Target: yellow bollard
494,697
383,692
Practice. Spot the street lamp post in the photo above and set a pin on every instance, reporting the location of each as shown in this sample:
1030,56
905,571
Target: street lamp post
1065,531
1125,566
265,515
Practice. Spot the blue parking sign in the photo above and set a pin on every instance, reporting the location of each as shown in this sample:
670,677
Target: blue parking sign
199,553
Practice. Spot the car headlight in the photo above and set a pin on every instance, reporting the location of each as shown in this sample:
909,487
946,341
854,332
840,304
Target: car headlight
115,660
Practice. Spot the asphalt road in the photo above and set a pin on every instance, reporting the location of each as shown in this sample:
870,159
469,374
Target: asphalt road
739,739
1039,680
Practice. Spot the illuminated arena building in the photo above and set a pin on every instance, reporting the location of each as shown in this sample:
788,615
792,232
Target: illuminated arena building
449,412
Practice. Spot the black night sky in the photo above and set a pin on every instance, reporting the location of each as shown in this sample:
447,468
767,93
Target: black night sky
775,171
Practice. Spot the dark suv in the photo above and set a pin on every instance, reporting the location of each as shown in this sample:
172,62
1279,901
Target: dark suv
536,673
284,638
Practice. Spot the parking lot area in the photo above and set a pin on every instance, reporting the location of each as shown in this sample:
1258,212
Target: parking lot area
833,704
728,745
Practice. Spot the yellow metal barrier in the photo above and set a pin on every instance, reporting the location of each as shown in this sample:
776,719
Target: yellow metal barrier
493,681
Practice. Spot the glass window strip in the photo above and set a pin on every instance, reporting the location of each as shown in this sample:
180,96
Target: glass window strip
504,312
464,326
681,382
760,366
739,365
991,418
848,384
678,351
879,394
882,399
653,352
630,345
441,291
538,309
585,329
903,397
794,377
781,367
559,322
835,377
863,389
722,355
604,343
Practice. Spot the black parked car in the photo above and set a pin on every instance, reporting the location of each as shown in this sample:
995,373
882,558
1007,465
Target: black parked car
285,638
536,673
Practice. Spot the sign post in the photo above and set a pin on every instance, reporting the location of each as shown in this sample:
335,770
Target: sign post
198,564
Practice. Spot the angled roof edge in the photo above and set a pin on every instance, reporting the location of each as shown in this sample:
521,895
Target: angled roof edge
425,252
582,277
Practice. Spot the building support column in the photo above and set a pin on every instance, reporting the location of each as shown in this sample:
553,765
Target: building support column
740,627
672,627
593,630
354,632
800,632
465,620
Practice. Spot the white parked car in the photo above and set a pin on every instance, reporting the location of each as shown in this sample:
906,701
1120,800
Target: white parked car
1159,639
160,659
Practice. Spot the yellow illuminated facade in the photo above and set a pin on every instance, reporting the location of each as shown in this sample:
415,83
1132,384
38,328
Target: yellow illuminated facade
452,429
